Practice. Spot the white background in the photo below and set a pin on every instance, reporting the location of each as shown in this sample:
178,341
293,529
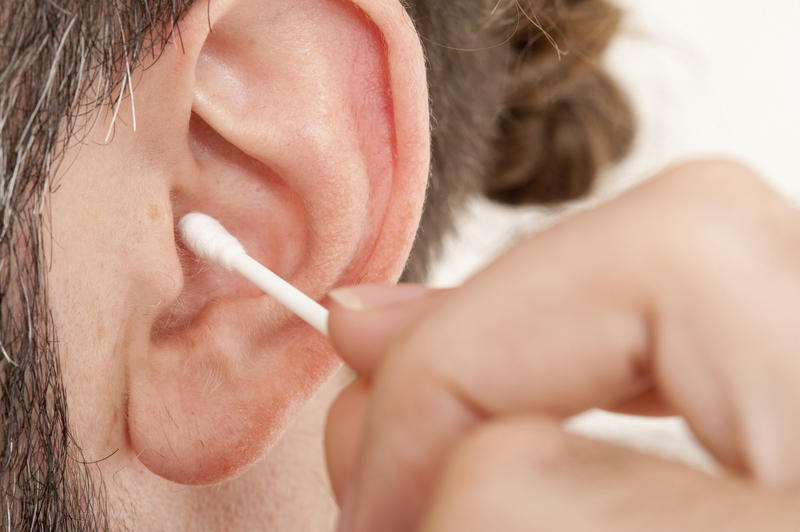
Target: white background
707,77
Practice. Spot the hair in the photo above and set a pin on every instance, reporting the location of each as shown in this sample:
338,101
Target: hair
59,63
522,111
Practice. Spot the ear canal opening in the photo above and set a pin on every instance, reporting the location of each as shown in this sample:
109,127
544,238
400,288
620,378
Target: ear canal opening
291,145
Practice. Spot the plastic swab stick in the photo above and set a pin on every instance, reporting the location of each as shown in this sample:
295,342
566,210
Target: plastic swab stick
210,241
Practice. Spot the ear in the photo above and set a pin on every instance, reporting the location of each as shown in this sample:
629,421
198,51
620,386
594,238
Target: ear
303,127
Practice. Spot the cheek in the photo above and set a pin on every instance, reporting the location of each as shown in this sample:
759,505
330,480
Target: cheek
101,214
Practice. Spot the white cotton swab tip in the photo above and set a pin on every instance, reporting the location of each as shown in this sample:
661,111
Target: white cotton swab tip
210,241
207,239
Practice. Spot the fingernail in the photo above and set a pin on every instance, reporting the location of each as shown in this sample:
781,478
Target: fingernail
371,296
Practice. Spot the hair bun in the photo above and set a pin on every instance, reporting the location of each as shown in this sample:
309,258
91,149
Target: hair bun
564,118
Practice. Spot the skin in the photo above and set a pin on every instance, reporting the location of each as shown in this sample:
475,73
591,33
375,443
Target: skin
647,304
202,400
195,438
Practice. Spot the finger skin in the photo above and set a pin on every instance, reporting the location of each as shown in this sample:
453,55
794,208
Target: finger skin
552,340
362,338
593,313
526,473
343,430
444,378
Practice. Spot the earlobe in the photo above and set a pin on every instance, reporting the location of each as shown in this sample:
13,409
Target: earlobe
308,139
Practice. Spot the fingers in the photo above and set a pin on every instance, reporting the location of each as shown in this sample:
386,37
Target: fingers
553,347
362,338
522,474
570,320
363,322
364,319
343,430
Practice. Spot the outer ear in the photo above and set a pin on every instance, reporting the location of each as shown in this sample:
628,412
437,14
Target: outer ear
306,134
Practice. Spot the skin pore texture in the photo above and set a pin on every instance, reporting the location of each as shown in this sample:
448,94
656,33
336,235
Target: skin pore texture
186,390
304,130
310,142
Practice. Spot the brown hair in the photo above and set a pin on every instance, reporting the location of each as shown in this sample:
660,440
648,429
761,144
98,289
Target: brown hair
523,109
511,117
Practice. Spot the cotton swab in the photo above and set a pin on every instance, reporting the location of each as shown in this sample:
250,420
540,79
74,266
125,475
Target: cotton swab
210,241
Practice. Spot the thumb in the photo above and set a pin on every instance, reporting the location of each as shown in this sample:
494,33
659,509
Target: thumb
365,319
362,324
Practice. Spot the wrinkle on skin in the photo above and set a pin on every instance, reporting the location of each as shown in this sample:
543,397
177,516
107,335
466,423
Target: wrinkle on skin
129,268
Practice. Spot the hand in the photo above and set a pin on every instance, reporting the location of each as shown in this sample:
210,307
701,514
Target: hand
683,295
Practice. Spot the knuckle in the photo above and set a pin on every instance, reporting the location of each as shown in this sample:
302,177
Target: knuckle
727,201
711,191
720,177
719,210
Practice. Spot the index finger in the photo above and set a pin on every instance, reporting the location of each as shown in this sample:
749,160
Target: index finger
559,343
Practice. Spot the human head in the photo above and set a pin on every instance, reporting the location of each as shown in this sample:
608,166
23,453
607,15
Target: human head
511,117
